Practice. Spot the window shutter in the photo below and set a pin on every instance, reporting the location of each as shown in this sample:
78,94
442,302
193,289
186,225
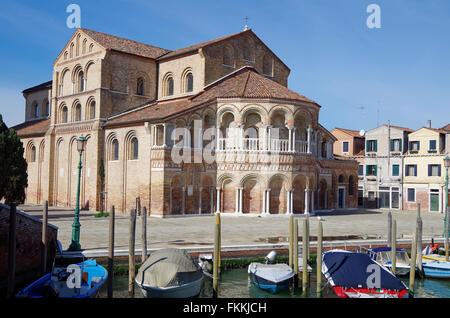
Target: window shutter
400,145
392,145
429,170
407,171
367,170
415,170
375,167
376,142
367,145
439,170
410,145
418,145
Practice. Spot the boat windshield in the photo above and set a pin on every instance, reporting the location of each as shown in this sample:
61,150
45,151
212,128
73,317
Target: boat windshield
401,257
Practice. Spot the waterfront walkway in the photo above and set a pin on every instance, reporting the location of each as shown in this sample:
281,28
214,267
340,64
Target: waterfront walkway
236,230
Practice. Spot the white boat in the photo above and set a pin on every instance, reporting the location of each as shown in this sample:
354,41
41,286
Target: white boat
383,256
170,273
300,265
271,277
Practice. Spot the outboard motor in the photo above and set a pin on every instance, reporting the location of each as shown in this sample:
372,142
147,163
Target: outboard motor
270,258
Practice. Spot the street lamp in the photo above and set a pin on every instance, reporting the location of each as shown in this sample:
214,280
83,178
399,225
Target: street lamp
75,245
446,165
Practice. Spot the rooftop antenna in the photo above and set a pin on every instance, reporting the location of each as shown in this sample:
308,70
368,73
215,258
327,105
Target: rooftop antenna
246,24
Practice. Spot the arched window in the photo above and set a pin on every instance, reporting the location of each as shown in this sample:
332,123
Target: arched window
134,155
64,115
32,155
81,81
91,48
36,110
190,82
351,185
115,150
84,46
77,112
140,86
71,50
170,86
47,109
92,110
227,56
341,179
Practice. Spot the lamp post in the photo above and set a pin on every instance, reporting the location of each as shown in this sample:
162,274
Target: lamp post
446,165
75,245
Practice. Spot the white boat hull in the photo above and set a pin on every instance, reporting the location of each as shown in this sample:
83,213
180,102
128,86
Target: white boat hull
182,291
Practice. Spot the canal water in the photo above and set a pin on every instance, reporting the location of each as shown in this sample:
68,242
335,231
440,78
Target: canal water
236,283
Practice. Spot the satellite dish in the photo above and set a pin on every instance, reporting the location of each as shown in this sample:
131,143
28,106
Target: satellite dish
362,132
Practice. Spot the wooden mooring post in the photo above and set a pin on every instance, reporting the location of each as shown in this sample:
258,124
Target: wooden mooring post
419,241
394,246
44,239
144,235
295,251
305,257
291,241
216,256
131,253
446,232
412,271
11,251
319,259
112,216
389,228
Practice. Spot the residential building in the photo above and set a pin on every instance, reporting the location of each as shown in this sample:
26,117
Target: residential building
424,178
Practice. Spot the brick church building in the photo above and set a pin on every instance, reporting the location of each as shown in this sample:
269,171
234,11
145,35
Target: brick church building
247,143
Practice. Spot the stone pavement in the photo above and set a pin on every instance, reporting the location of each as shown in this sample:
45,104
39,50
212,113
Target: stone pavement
198,231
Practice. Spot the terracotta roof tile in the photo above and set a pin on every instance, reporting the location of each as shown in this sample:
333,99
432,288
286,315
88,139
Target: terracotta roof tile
244,83
33,127
354,133
125,45
446,128
197,46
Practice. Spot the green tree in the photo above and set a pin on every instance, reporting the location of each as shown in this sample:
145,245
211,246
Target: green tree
13,166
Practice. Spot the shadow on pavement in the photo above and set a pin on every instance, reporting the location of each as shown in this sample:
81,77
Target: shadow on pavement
347,212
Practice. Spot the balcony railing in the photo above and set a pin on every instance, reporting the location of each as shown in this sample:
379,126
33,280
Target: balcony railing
256,144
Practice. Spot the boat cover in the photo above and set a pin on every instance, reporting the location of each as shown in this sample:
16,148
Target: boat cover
350,270
169,267
271,272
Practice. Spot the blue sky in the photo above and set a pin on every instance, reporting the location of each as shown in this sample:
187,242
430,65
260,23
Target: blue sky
362,77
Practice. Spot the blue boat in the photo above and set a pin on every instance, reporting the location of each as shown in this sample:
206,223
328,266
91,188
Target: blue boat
436,269
271,277
60,284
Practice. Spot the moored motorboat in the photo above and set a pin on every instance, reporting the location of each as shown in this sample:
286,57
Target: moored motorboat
436,268
356,275
383,256
170,273
62,282
271,277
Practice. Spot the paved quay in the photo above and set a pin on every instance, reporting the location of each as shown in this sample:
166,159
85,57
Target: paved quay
198,231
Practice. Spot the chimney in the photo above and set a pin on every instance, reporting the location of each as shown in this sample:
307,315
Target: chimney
429,124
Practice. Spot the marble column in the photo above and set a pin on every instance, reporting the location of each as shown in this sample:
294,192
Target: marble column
309,130
241,191
306,201
211,200
218,194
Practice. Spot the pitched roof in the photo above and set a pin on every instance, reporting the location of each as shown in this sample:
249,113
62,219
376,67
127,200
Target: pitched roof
243,83
401,128
195,47
441,131
353,133
32,127
120,44
446,128
46,85
248,83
